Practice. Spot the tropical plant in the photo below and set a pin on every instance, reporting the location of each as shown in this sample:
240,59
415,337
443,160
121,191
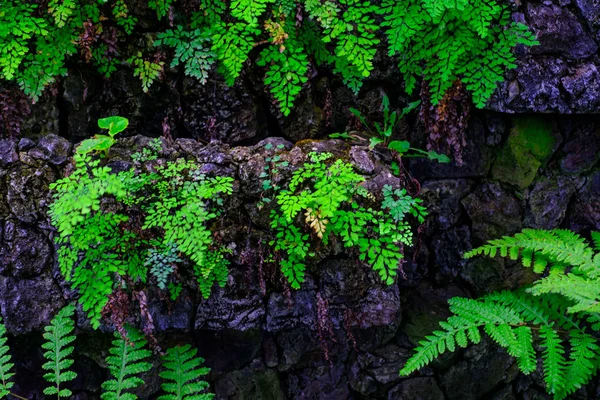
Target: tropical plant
554,319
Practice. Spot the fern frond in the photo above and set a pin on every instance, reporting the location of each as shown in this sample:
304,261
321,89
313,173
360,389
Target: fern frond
58,337
127,360
554,246
6,366
553,359
184,370
596,240
582,363
585,293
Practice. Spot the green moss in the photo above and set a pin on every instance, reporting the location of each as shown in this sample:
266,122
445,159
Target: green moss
530,145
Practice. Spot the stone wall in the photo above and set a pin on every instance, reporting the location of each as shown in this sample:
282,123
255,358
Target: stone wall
528,171
524,170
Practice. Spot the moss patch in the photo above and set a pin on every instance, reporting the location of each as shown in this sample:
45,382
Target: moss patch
530,145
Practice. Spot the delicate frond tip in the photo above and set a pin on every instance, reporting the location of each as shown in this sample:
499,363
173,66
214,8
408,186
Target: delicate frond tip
127,360
58,337
184,370
538,248
6,366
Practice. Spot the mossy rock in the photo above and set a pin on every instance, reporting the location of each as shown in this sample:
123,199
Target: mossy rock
531,143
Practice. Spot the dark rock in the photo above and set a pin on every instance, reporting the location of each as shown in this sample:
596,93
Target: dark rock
223,310
52,148
362,160
539,88
559,32
26,144
590,10
384,363
584,211
8,153
485,275
178,315
27,191
582,150
494,212
442,199
581,87
416,389
322,382
477,157
478,376
220,112
251,383
25,251
282,314
28,304
297,347
448,248
548,201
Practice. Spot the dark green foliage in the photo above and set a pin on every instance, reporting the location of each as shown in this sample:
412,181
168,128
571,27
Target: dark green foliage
184,371
161,263
127,360
59,336
6,366
381,133
99,247
326,197
470,40
547,320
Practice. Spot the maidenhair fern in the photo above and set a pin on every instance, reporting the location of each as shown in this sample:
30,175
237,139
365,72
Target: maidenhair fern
326,198
183,371
100,248
59,336
6,366
441,42
127,360
553,320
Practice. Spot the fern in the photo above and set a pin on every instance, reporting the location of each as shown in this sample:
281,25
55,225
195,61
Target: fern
146,70
444,41
286,73
232,42
183,370
556,304
99,248
6,366
58,337
127,360
161,7
249,10
192,49
327,196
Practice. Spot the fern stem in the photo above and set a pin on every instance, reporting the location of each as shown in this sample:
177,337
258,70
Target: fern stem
17,396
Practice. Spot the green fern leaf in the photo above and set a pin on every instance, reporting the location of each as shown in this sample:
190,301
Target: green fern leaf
184,371
553,359
6,366
58,337
286,74
582,363
127,360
